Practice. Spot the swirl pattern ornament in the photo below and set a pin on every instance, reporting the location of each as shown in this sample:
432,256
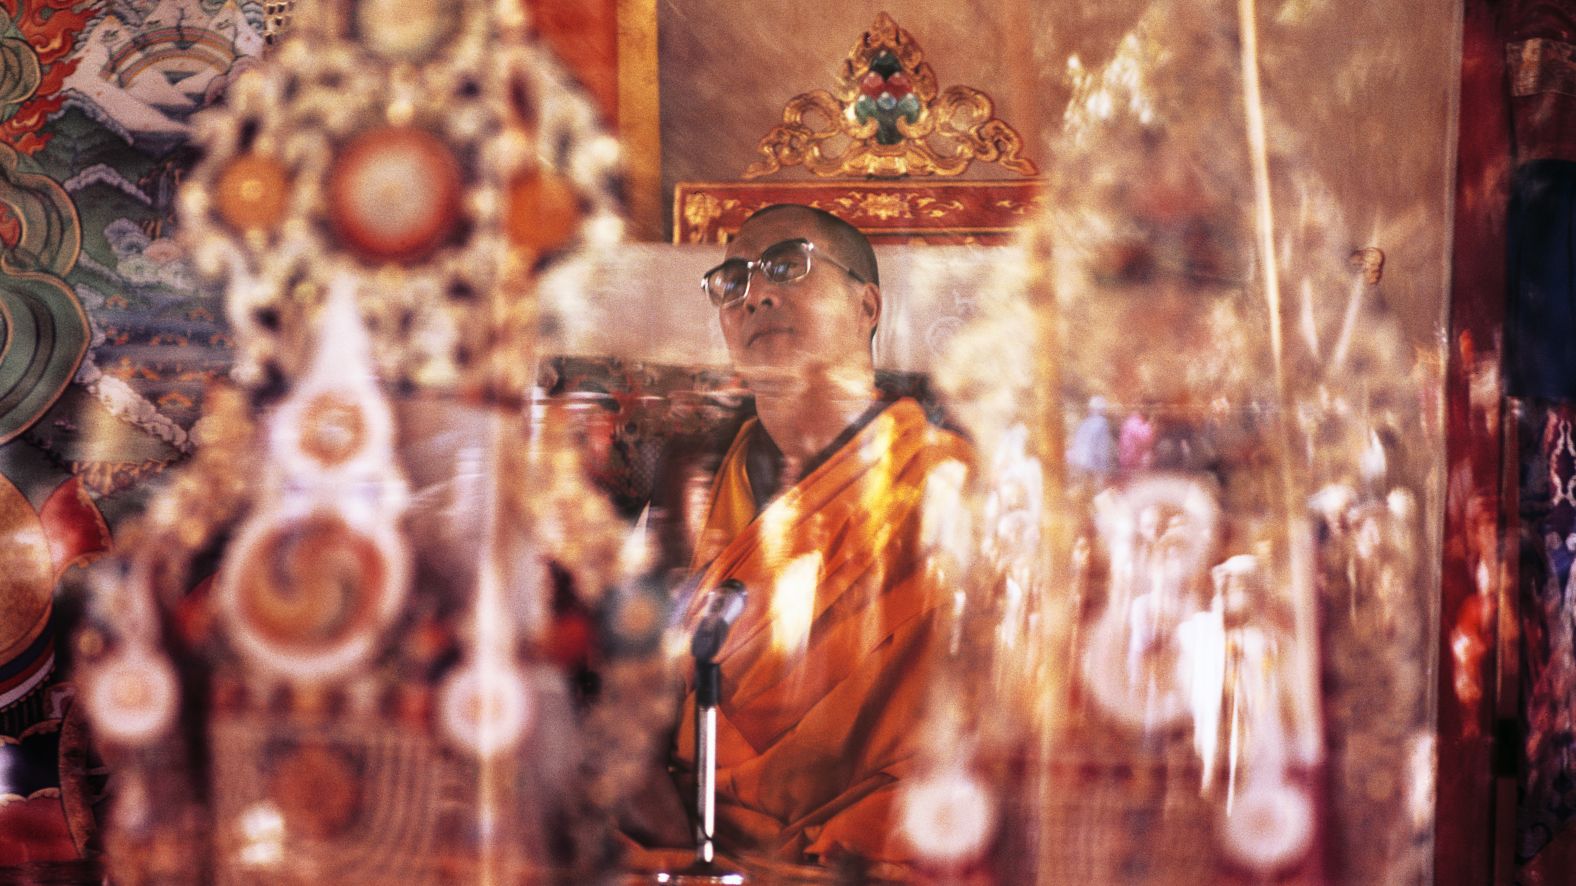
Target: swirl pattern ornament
307,598
320,569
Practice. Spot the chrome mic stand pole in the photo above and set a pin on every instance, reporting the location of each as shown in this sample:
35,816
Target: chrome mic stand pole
708,686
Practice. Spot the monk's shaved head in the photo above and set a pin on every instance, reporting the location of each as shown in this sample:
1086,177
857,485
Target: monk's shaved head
844,242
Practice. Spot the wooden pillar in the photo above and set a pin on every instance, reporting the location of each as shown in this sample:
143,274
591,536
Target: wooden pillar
1470,819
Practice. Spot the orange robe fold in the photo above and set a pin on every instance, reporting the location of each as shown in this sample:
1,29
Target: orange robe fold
825,672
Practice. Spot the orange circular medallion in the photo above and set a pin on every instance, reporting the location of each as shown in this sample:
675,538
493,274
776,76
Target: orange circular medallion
252,191
544,211
394,194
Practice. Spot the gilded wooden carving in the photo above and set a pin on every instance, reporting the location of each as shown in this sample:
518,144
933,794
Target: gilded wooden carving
888,212
889,119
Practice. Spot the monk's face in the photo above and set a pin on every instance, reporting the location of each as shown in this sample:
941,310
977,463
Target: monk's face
820,323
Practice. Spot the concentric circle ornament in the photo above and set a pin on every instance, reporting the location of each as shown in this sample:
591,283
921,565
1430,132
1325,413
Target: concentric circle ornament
394,194
486,709
252,192
1269,828
948,817
133,696
333,429
308,598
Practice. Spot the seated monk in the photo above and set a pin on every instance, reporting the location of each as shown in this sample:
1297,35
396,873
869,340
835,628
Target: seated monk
816,509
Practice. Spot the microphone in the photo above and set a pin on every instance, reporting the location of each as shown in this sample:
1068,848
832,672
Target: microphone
724,605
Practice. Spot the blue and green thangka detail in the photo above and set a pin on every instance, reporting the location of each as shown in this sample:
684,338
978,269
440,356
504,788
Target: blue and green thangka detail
20,73
885,94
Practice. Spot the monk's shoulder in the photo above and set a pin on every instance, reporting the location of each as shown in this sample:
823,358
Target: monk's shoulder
943,445
929,442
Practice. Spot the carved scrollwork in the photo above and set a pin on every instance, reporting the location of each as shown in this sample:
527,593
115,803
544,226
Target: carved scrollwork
701,212
889,119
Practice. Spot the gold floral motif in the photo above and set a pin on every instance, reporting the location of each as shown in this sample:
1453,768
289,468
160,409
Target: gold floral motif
888,206
954,128
885,206
1021,208
930,207
701,211
711,212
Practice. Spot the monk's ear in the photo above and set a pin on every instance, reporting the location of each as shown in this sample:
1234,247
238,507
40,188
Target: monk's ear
870,305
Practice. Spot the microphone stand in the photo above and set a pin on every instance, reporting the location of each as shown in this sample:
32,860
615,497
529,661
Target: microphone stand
707,642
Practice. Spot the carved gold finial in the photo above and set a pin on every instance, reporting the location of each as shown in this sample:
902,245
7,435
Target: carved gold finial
887,105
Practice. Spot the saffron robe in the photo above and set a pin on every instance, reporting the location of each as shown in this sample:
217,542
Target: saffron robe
824,674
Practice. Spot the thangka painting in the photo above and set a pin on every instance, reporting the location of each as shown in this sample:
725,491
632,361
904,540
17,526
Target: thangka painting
108,341
1548,605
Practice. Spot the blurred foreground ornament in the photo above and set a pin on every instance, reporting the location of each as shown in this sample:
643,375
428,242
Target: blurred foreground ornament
486,708
276,19
1190,277
948,816
393,194
317,608
405,149
392,201
1271,826
1157,532
407,31
320,569
133,696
